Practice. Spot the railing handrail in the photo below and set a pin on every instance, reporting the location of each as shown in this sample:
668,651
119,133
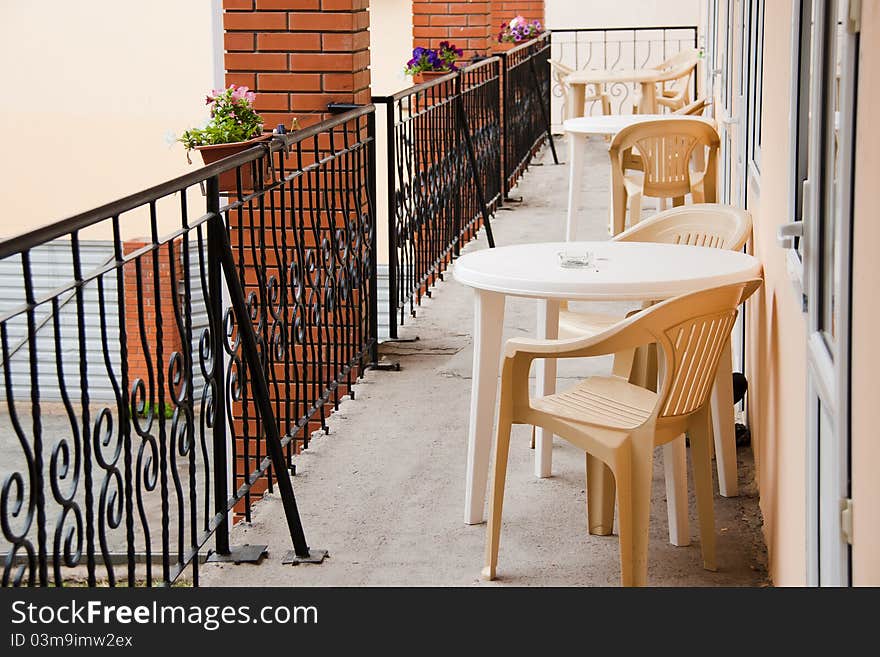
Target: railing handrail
29,239
422,86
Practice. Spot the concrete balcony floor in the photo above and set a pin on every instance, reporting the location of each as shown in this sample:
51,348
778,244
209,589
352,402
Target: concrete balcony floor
384,491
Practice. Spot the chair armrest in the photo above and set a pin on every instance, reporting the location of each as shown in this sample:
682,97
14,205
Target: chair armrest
619,337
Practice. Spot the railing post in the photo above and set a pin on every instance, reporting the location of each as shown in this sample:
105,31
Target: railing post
391,183
469,147
215,314
545,117
301,551
502,106
371,191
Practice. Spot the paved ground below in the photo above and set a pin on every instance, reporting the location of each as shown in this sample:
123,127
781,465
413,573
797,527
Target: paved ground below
384,492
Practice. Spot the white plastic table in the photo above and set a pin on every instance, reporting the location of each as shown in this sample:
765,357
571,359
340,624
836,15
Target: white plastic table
578,131
626,271
647,77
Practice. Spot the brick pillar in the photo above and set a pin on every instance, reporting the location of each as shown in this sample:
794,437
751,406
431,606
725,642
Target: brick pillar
503,10
142,316
298,55
464,23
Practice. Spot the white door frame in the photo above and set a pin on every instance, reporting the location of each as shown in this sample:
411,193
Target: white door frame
828,361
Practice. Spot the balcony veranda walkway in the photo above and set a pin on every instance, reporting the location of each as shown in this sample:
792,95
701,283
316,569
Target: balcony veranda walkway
384,491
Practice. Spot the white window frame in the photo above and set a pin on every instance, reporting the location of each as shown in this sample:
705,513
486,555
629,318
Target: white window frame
794,260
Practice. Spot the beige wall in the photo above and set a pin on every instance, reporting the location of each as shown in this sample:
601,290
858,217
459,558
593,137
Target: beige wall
390,45
96,91
865,314
390,48
562,14
777,327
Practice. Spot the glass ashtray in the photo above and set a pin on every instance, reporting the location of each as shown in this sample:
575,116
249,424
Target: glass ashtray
576,259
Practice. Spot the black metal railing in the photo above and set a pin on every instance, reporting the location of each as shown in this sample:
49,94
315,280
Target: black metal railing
526,106
444,176
616,48
455,147
150,393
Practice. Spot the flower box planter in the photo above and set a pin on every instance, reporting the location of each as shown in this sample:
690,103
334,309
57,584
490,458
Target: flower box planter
428,76
227,180
504,46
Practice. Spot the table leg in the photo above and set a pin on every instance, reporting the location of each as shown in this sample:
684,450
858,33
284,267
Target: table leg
648,102
488,323
674,456
576,99
576,148
723,425
545,382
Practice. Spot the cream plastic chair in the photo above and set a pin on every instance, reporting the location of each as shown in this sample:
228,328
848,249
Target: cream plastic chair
633,162
674,91
619,423
665,147
712,225
561,71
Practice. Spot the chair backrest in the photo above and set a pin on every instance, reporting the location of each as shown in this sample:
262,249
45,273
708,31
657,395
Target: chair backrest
691,331
684,58
678,71
665,147
560,71
695,108
701,224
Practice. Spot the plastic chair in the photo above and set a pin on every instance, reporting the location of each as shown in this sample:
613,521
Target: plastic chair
712,225
674,91
619,423
560,71
664,149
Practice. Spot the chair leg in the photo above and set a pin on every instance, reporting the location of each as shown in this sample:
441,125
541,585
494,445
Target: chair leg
496,502
700,435
642,466
600,497
532,442
623,477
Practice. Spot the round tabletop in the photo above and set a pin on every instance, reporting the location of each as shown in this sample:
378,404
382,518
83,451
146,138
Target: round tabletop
622,270
611,124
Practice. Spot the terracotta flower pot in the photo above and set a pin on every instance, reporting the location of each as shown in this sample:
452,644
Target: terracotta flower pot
214,152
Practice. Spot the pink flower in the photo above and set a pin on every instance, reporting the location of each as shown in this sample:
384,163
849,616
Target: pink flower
517,20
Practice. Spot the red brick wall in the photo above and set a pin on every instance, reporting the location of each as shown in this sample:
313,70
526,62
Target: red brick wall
465,23
144,314
298,55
